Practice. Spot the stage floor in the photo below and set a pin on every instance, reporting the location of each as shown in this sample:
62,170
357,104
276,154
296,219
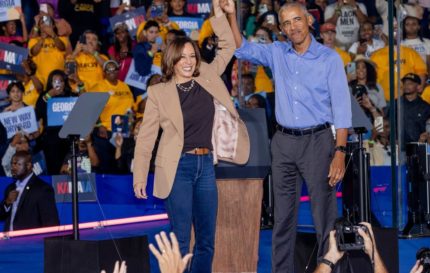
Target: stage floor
25,254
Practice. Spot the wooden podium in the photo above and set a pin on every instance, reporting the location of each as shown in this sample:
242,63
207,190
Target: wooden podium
238,225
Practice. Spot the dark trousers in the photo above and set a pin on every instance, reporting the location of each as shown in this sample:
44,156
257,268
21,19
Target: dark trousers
194,201
296,157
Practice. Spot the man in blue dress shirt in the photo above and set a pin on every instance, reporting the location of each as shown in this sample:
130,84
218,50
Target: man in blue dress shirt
311,95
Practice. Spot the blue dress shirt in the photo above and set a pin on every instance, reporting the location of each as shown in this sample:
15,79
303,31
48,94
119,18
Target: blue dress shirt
311,88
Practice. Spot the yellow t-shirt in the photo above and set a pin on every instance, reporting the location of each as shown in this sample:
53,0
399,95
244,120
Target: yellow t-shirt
262,81
121,99
426,94
30,94
410,62
89,70
346,58
49,57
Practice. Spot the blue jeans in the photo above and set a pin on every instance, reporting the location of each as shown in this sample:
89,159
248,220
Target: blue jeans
194,201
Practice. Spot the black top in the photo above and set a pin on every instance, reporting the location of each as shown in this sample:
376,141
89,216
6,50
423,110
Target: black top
415,115
198,111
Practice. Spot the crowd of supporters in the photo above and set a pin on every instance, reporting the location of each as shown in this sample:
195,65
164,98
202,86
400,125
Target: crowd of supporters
73,49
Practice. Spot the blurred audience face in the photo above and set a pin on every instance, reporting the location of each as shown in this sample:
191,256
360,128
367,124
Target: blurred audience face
21,143
329,38
92,40
252,103
412,26
248,85
121,35
177,6
111,72
264,6
16,94
184,69
58,84
410,87
262,35
361,70
21,167
10,28
152,34
295,24
366,31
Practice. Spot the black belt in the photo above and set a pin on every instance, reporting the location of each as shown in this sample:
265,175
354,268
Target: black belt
303,131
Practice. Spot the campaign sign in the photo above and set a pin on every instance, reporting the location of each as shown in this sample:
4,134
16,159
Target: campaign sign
120,124
5,80
87,190
11,57
22,119
9,10
132,19
136,80
59,109
201,8
188,24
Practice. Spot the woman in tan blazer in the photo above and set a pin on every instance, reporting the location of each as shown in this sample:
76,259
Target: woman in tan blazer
200,126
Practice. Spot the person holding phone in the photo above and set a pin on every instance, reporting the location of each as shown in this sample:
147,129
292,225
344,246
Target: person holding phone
54,148
63,27
88,59
47,46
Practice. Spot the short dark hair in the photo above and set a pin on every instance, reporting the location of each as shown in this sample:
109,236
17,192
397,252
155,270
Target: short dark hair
151,23
23,154
173,54
177,32
18,85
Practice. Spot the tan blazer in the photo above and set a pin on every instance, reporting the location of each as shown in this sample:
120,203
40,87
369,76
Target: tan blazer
229,135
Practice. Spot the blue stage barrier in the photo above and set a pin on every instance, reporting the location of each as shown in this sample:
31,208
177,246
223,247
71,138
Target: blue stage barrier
117,200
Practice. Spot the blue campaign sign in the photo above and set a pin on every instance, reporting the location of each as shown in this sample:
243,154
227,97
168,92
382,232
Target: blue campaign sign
59,109
132,19
11,57
188,24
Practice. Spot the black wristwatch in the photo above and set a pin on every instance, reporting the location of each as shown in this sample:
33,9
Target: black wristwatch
327,262
340,149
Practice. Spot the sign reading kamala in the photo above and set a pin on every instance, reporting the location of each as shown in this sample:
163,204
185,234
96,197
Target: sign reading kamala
199,7
188,24
11,57
22,119
87,190
132,19
9,10
59,109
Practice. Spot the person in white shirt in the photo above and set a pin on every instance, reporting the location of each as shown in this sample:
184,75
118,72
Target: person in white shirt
366,45
347,15
413,38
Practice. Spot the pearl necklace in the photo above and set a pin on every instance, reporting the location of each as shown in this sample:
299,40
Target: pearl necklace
186,89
